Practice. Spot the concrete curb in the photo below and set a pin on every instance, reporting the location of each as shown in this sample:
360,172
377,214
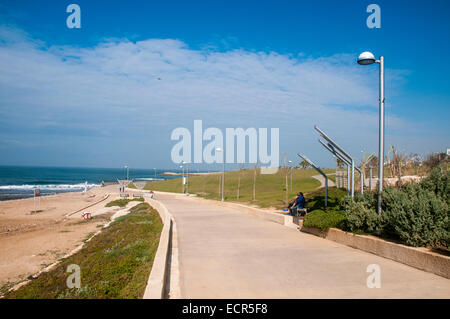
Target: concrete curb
157,281
419,258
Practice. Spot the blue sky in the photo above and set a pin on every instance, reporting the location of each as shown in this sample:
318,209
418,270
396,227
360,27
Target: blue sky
90,97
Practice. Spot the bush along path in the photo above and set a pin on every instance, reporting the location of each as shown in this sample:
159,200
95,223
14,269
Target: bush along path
114,264
416,215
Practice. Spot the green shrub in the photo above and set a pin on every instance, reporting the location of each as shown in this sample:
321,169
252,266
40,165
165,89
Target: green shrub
361,213
324,220
316,199
360,217
438,183
415,215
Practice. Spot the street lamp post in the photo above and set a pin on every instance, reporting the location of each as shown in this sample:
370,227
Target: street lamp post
223,170
290,164
126,166
182,179
187,178
155,172
367,58
254,181
287,188
321,172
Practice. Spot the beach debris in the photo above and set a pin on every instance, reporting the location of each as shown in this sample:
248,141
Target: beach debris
86,215
150,194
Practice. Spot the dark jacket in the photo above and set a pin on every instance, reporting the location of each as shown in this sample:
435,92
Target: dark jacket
300,201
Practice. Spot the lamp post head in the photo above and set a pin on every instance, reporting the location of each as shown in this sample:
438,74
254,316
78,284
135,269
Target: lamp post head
218,149
366,58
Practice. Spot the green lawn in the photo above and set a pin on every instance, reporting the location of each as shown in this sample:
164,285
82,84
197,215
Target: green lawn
114,264
270,188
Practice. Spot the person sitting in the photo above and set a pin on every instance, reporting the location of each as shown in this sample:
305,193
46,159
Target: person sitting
299,203
292,204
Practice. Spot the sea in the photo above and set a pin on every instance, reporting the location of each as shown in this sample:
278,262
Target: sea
20,181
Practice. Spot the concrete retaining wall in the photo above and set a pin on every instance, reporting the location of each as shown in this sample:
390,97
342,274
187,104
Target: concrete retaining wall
420,258
157,281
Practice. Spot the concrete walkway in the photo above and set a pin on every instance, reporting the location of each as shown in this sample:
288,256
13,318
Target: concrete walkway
321,179
228,254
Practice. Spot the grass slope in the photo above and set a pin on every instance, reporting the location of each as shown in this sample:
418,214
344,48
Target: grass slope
270,188
114,264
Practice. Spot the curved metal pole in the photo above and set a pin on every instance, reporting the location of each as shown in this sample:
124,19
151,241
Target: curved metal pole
320,171
348,180
352,164
343,153
342,158
346,162
353,178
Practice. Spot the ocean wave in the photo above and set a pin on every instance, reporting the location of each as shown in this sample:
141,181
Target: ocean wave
50,187
148,179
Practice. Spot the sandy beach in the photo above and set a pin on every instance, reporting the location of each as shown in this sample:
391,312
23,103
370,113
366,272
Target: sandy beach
30,240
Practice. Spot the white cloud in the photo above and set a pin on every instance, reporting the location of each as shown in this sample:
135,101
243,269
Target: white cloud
150,87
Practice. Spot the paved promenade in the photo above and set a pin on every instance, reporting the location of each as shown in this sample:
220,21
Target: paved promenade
228,254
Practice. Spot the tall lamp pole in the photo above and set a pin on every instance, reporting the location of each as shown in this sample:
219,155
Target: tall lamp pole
290,166
223,170
187,178
182,179
367,58
126,166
